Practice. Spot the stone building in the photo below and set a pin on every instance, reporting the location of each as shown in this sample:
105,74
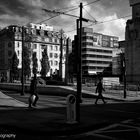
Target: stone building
37,37
132,40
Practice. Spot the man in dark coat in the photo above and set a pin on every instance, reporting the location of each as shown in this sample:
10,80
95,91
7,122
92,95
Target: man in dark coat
99,90
33,92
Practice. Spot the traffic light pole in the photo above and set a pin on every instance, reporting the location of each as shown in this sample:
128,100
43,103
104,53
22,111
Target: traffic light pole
124,75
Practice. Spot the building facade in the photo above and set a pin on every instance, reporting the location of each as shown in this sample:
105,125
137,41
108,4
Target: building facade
97,51
38,37
132,40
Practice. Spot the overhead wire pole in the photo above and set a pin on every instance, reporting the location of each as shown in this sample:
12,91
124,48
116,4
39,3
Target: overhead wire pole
77,70
79,64
79,57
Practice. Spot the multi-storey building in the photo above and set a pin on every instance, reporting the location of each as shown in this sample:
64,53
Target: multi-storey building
37,37
97,51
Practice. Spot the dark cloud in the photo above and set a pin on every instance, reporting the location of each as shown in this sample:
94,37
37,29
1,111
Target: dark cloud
120,7
23,11
12,7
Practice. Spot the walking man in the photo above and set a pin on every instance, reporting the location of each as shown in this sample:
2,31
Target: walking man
99,90
33,92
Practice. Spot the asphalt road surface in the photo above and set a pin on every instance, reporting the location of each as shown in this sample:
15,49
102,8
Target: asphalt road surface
123,117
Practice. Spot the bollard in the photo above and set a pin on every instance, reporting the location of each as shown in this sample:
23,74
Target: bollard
71,109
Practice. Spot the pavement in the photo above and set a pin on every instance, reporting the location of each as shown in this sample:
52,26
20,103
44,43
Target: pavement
110,93
40,123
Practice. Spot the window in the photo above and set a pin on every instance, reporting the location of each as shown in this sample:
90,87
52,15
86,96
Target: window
56,48
51,47
51,71
18,44
55,40
64,48
55,63
50,39
34,46
51,55
55,55
43,39
18,52
51,63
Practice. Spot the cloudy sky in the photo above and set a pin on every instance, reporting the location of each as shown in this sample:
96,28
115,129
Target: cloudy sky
22,12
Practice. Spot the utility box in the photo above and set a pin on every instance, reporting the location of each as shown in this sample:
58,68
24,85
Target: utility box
71,109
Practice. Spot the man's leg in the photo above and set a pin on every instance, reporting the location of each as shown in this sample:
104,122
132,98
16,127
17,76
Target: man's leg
103,99
97,98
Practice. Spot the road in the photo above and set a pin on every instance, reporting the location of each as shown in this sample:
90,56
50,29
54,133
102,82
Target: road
122,119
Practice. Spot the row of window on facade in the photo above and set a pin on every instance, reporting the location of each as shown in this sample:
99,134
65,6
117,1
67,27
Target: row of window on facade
51,47
35,31
54,63
96,56
97,50
93,67
94,62
51,55
101,43
41,39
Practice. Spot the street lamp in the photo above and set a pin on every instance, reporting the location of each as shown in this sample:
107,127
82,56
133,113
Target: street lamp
22,72
61,53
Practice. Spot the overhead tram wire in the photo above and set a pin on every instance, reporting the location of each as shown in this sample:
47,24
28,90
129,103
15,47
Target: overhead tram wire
56,16
89,14
102,22
73,8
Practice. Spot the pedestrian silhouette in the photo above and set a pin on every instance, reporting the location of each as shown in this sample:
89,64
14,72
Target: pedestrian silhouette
33,91
99,90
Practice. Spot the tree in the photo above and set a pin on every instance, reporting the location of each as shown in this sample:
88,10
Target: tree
45,65
35,65
27,61
14,66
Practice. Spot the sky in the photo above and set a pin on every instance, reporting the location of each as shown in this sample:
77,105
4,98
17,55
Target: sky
22,12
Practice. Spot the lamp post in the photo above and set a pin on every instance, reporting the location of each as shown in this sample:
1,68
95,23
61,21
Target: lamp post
61,54
22,72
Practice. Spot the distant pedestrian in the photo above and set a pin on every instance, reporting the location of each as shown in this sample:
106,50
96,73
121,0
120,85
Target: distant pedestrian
33,91
99,90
